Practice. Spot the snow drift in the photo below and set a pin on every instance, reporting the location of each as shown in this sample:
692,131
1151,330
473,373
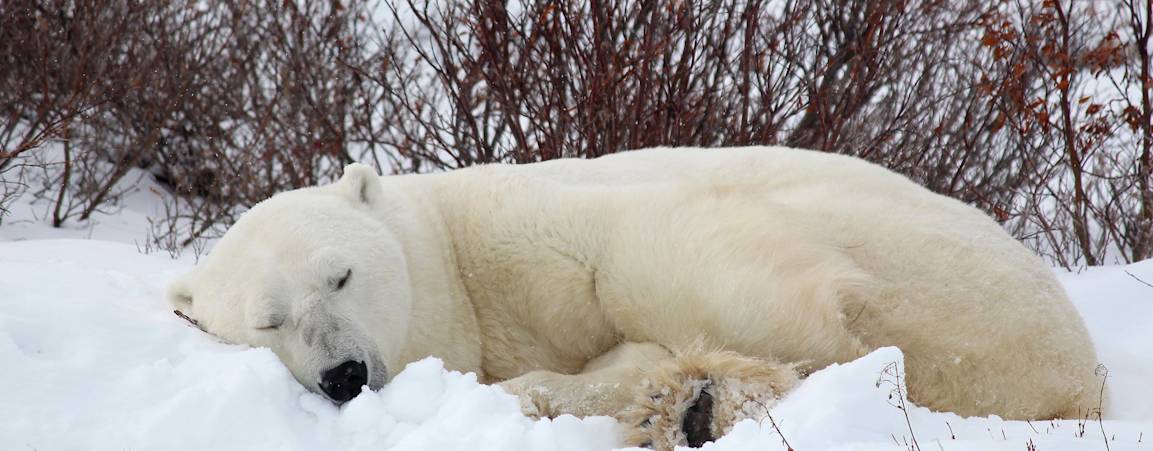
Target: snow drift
93,358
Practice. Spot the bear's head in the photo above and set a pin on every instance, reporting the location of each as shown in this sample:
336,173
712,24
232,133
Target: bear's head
315,275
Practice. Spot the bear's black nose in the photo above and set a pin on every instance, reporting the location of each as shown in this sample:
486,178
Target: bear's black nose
343,382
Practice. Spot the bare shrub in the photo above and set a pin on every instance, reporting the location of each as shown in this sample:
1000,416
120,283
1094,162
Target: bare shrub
1036,112
1129,220
992,103
888,81
224,104
1063,81
586,79
50,67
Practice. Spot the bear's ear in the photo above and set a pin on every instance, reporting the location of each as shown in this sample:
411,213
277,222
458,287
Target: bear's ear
361,184
180,293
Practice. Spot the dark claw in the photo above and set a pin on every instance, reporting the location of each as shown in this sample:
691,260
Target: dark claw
698,421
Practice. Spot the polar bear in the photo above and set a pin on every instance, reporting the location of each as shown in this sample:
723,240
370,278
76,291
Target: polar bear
678,290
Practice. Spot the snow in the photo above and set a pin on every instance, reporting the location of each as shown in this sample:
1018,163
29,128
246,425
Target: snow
93,358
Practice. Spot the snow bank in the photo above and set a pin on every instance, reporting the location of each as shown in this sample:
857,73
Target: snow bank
92,358
1118,307
861,406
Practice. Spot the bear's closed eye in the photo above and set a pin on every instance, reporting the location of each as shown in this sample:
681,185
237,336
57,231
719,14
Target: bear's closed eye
274,322
343,280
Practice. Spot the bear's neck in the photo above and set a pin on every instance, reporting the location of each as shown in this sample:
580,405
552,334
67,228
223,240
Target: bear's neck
522,247
443,323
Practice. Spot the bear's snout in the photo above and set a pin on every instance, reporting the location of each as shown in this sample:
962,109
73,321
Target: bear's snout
344,381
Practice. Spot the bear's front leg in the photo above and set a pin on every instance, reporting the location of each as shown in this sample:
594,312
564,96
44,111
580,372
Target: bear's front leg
698,396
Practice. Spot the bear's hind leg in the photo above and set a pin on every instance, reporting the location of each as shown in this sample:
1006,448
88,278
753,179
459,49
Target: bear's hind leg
697,396
662,399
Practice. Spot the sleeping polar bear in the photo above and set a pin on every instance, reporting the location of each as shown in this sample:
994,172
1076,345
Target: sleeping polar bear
679,290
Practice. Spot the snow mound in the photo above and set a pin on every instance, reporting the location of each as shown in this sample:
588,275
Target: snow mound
96,360
862,405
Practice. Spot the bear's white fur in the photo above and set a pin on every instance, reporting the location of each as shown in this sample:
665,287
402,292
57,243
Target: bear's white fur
630,284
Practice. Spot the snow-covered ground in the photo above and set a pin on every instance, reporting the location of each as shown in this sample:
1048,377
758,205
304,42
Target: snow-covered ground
92,358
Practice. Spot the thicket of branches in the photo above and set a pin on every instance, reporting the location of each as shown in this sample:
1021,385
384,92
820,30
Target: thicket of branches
1038,112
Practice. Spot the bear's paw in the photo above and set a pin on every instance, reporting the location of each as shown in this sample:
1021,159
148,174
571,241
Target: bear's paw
698,396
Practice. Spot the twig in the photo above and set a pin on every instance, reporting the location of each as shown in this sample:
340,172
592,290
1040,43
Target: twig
190,320
774,424
1103,371
775,428
891,370
1138,279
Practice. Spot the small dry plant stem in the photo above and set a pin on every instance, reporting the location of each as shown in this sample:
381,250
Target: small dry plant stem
778,429
1150,285
773,422
1104,373
891,374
